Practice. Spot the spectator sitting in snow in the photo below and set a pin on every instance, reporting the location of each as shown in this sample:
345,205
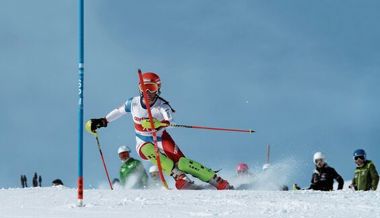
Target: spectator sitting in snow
324,175
366,176
132,172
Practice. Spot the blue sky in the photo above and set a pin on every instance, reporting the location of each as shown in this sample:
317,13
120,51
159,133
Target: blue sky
304,74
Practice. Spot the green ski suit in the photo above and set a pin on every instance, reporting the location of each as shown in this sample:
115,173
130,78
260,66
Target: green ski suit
366,177
133,174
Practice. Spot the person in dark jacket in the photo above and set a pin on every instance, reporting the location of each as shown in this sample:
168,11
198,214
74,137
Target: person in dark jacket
22,181
57,182
35,180
324,175
366,177
25,181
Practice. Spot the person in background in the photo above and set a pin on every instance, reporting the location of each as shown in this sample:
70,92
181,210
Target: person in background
23,181
35,180
57,182
39,181
132,172
324,175
366,176
244,178
115,181
155,177
242,169
154,174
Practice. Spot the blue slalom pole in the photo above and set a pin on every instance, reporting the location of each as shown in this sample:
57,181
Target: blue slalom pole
80,105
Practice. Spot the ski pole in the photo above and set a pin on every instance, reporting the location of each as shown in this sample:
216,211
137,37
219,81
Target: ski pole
213,128
104,163
158,159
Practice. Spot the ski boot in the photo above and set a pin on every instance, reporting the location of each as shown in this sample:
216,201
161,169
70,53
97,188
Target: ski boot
220,184
203,173
182,182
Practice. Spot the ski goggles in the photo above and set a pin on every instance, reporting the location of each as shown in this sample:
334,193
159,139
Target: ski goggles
318,161
151,87
359,157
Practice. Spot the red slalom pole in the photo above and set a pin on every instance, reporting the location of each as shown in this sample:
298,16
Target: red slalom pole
104,163
165,184
213,128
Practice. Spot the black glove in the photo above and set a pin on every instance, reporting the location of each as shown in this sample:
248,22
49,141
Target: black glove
98,123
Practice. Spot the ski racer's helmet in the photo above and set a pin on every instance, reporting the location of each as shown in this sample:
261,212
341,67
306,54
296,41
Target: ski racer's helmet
152,82
318,156
242,168
359,153
153,169
123,148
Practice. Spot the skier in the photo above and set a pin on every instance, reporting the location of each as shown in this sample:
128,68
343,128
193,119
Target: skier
173,161
324,175
132,172
366,176
39,181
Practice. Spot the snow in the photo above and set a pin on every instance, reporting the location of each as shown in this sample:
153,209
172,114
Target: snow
61,202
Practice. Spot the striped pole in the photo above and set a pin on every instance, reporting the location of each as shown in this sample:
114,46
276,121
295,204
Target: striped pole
164,183
80,103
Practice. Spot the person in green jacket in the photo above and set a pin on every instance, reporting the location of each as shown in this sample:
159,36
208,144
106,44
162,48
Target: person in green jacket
366,177
132,172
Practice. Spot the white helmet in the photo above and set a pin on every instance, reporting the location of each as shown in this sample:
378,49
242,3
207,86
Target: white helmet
266,166
153,169
123,148
318,155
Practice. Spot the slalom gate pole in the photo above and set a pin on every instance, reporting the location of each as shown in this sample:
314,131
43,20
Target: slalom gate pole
268,153
164,183
104,163
213,128
80,105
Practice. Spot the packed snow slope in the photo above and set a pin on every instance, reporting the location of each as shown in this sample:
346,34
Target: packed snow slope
61,202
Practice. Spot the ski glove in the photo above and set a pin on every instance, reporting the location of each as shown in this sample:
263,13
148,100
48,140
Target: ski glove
94,124
145,123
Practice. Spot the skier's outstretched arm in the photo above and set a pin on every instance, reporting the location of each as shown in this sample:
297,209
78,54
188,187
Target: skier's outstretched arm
93,124
116,114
